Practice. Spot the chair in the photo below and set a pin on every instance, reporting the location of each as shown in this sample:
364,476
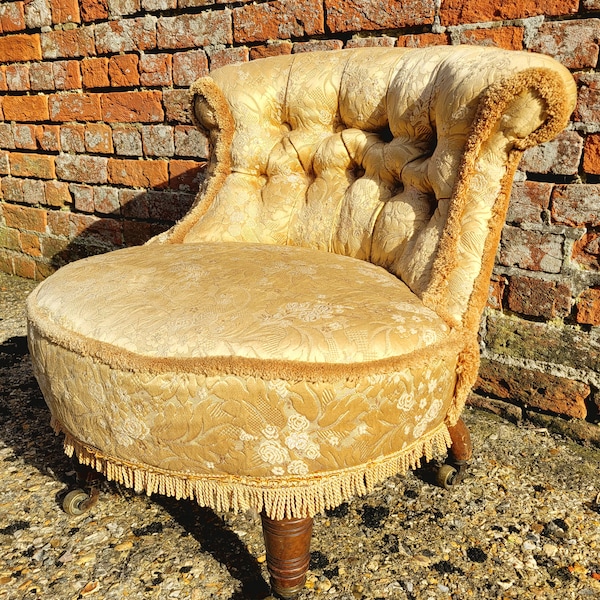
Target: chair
309,328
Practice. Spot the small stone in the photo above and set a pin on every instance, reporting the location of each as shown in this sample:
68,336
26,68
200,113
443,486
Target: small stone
528,546
90,588
124,546
550,550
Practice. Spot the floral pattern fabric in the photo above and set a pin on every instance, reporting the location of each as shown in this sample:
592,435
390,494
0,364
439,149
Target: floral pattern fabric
239,300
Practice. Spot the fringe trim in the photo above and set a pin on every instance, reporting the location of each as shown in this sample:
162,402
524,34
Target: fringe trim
279,498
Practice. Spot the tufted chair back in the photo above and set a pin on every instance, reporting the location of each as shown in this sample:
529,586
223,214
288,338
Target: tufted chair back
390,155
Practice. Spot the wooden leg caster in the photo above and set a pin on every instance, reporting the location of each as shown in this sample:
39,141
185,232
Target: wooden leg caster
459,454
288,553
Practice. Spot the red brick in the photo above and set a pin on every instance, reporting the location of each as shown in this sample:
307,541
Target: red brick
588,307
25,136
89,229
422,40
12,189
195,31
573,43
3,85
24,266
534,389
561,156
93,10
384,41
156,69
9,238
20,48
58,223
67,75
57,193
106,200
75,107
25,218
459,12
138,173
95,72
33,191
538,297
7,262
132,107
588,99
12,17
591,154
157,140
17,77
69,43
48,137
37,14
576,204
7,138
531,250
189,66
177,106
155,5
136,233
496,292
65,11
127,140
186,175
25,108
72,138
83,197
165,205
4,163
98,138
275,48
190,141
123,70
528,202
82,169
586,251
510,38
32,165
134,204
126,35
41,76
369,15
124,7
228,56
278,20
30,243
317,46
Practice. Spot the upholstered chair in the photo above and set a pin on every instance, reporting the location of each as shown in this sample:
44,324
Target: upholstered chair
309,328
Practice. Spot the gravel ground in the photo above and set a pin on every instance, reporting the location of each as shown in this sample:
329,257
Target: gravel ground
525,523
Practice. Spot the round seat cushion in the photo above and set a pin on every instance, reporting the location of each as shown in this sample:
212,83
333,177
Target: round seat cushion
227,371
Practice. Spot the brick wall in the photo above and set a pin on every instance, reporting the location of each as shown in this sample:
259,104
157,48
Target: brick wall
97,150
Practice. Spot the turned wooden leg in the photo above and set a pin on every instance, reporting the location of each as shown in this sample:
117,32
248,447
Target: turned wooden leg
462,448
288,553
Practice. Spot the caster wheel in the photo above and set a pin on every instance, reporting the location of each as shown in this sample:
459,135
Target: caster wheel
74,502
446,476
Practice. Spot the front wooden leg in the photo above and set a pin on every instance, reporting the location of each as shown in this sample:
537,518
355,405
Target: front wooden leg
288,553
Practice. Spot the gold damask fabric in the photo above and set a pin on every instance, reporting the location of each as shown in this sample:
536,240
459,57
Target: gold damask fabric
359,152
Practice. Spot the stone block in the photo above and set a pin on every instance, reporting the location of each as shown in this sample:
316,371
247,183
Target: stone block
533,389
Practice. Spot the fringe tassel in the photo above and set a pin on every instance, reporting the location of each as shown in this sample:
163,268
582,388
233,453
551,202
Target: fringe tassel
279,498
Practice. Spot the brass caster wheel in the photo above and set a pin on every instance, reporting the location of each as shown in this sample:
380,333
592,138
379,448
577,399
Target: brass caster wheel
76,502
446,476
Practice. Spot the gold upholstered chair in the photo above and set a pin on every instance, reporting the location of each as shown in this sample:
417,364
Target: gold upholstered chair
309,328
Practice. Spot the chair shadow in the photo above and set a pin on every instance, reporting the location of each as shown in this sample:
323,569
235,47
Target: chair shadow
25,429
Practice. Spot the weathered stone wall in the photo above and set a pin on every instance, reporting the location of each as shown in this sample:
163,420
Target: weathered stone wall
97,150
